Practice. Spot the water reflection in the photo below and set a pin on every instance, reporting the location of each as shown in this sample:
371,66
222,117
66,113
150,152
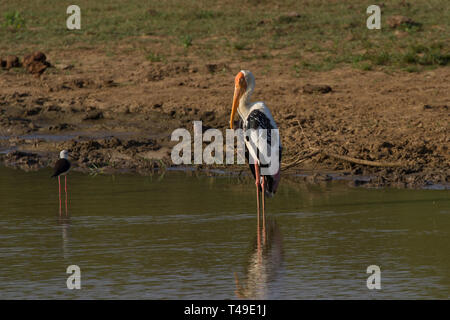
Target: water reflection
264,262
183,237
64,223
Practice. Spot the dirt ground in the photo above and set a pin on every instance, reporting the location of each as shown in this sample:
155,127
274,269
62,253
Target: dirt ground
118,113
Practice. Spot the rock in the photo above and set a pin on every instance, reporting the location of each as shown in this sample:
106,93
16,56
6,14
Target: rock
39,56
215,67
397,21
152,12
36,67
35,56
289,17
40,101
53,108
289,116
93,115
26,161
110,83
317,177
63,66
80,83
11,62
60,127
401,34
113,142
33,111
309,89
435,107
208,116
35,63
386,145
33,126
358,182
423,149
293,14
349,37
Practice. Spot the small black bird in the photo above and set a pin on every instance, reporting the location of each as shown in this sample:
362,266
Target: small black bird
61,168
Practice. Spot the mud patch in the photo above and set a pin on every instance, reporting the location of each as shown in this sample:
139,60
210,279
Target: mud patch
373,117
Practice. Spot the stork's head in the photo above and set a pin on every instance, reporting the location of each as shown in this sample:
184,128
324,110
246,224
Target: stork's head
64,154
244,83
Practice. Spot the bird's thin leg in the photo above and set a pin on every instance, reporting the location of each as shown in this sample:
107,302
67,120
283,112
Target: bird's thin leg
263,186
59,184
263,197
65,181
257,184
258,231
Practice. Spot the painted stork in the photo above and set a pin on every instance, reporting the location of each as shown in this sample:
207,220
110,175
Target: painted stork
61,168
254,117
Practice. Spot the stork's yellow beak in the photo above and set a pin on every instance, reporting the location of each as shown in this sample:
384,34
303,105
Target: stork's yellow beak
239,88
236,97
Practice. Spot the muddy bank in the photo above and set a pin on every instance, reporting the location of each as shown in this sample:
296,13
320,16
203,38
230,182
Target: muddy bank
116,115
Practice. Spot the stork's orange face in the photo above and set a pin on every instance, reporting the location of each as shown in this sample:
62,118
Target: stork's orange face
240,85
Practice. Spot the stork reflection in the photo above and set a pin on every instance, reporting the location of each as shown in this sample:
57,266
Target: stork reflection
264,261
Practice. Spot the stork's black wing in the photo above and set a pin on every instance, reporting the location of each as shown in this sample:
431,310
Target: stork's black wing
61,166
258,120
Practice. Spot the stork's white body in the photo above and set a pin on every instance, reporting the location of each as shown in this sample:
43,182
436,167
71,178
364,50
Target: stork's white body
257,137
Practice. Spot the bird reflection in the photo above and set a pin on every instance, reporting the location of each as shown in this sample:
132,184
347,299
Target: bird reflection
264,262
64,222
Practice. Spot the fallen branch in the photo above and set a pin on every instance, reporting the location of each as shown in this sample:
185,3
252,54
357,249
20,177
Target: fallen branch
299,160
364,162
316,151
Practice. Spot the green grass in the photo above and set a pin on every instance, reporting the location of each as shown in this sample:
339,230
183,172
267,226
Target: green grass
13,20
154,57
326,35
186,40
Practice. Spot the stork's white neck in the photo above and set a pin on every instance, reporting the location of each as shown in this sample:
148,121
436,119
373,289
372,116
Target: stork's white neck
244,103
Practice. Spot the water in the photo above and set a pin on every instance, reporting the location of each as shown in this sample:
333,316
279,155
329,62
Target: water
180,236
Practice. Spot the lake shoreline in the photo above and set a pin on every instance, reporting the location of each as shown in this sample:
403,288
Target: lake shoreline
121,117
28,162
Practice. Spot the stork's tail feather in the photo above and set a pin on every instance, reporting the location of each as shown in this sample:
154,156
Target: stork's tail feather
272,183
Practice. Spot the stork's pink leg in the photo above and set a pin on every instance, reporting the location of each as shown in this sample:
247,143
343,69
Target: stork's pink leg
263,186
59,184
257,184
257,200
65,180
258,231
